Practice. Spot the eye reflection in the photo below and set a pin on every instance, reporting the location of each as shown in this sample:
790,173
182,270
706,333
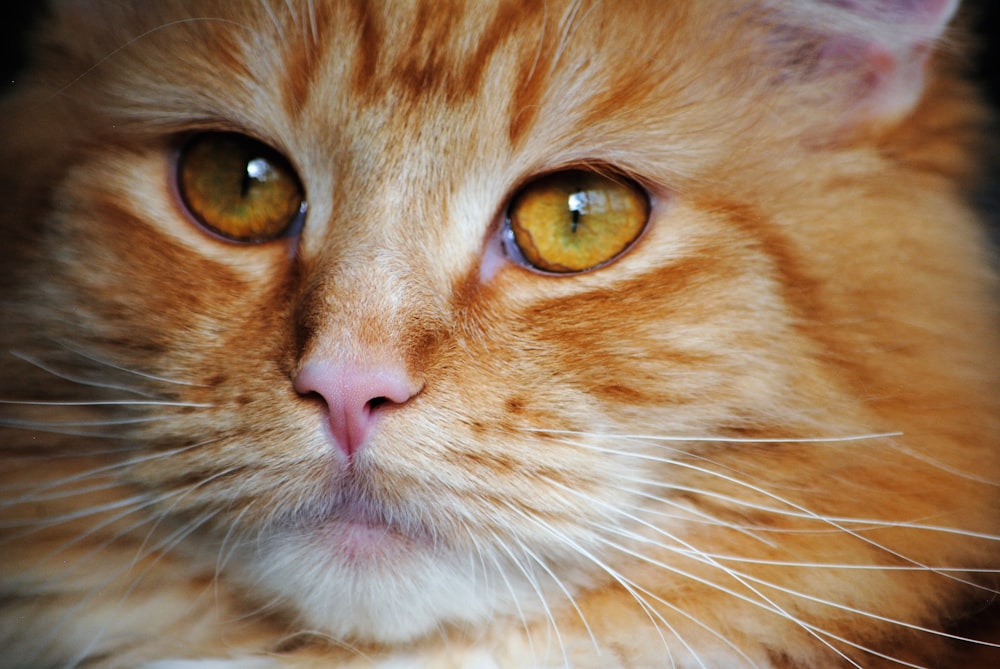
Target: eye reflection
572,221
238,187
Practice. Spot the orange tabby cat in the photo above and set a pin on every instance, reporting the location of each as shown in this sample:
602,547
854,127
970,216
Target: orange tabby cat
526,334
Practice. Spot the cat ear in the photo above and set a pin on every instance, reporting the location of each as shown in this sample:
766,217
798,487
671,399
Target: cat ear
880,48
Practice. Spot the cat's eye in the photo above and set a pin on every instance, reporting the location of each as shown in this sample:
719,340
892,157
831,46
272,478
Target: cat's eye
239,187
575,220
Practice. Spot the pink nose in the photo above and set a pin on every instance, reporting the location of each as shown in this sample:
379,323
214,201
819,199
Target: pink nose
354,397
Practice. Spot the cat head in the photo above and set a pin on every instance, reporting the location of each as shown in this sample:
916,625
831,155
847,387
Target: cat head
394,392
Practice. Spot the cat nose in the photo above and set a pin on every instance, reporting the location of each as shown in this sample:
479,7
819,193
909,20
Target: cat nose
354,397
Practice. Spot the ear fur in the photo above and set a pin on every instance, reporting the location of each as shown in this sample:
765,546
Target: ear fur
881,48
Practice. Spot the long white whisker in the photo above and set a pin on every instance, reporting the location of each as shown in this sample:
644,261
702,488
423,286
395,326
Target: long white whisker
909,452
91,473
51,521
746,578
70,614
66,432
79,380
147,501
798,511
634,591
860,612
165,513
96,403
223,556
75,492
692,515
533,582
720,439
41,426
766,604
866,524
732,573
137,38
128,370
163,547
498,568
84,559
840,565
569,596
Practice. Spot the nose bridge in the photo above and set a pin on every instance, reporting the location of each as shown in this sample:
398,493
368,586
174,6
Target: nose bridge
375,281
369,302
356,303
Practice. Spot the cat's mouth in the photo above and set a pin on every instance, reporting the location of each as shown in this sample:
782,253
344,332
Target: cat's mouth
365,542
365,533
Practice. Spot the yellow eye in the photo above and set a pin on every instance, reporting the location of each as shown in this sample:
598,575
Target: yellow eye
576,220
238,187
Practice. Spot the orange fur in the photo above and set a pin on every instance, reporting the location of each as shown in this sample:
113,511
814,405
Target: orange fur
765,436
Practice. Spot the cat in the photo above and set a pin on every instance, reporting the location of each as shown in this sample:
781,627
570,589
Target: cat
500,334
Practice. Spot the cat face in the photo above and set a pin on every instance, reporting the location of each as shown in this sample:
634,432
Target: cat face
391,320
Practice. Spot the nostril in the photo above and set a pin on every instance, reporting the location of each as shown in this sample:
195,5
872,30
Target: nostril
376,402
355,397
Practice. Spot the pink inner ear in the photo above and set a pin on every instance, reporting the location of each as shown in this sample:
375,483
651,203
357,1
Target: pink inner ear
887,44
889,83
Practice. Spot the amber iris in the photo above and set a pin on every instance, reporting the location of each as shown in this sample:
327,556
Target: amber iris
576,220
238,187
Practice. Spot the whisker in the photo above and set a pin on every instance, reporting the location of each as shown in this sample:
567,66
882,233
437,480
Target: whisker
97,403
693,515
650,612
766,604
797,511
190,488
42,426
866,524
79,380
502,573
541,563
719,439
840,524
634,590
536,587
127,370
863,613
836,522
90,434
801,511
84,559
51,521
111,54
744,578
698,555
223,557
63,494
842,565
79,476
162,548
909,452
